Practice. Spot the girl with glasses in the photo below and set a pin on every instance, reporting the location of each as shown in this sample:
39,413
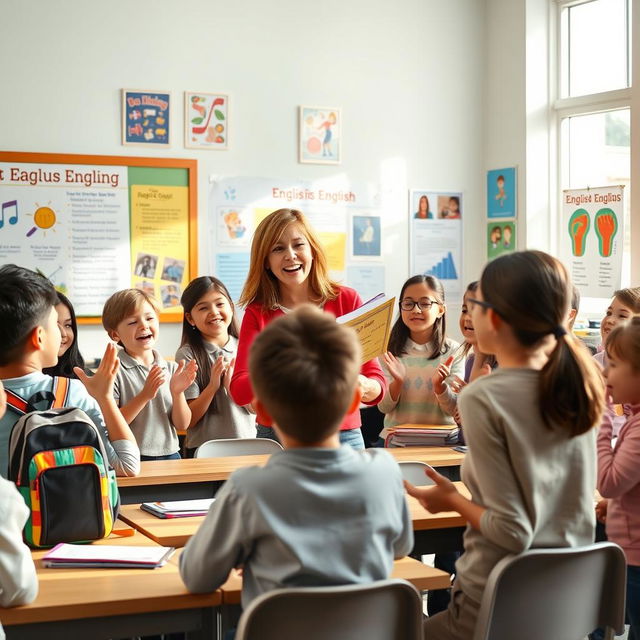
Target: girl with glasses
418,350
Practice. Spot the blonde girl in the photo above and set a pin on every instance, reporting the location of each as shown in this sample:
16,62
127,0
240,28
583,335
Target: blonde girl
210,337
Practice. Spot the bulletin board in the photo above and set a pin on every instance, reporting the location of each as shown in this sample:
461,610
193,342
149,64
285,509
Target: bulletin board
97,224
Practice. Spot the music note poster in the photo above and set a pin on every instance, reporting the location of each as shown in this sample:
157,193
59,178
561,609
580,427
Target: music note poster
206,120
591,238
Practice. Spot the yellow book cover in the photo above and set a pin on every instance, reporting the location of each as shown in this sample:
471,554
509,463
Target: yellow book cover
372,323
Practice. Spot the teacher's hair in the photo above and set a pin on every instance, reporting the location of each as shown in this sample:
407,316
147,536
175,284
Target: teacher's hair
531,292
261,285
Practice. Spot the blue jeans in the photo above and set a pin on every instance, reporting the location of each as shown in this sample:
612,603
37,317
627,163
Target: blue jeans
352,437
171,456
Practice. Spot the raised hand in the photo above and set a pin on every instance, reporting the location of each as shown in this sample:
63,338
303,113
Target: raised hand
228,374
442,372
456,384
183,377
217,372
100,384
395,367
155,380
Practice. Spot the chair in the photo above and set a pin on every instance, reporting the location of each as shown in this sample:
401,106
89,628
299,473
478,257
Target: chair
414,472
237,447
555,594
383,610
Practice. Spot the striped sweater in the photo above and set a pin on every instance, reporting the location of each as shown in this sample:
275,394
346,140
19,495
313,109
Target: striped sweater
619,480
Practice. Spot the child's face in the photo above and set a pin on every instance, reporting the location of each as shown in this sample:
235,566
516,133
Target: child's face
211,316
50,339
466,323
290,259
616,312
139,331
66,328
500,184
453,206
495,236
485,334
623,382
421,321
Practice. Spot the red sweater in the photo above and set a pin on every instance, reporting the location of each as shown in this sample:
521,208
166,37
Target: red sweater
256,318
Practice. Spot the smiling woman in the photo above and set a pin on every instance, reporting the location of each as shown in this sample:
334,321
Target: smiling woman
289,268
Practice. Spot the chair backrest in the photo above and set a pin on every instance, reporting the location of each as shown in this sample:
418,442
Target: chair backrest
413,472
237,447
554,594
383,610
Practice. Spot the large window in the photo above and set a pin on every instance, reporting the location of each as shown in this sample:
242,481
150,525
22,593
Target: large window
593,102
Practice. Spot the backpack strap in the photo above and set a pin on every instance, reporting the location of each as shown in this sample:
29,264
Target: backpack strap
56,398
16,402
60,392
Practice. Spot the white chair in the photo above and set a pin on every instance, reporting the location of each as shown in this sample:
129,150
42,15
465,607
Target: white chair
383,610
237,447
555,594
414,472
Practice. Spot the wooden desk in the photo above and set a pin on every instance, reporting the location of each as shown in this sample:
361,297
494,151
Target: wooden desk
111,603
201,477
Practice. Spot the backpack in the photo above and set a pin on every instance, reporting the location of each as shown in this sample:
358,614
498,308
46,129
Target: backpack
59,464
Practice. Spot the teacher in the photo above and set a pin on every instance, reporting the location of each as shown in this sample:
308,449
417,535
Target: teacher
289,268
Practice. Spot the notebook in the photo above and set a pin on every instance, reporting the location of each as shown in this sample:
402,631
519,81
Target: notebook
77,556
178,508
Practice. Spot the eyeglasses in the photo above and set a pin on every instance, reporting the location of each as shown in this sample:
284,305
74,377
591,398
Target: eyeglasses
480,303
409,305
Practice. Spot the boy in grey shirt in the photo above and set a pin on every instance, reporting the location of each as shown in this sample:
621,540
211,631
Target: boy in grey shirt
317,513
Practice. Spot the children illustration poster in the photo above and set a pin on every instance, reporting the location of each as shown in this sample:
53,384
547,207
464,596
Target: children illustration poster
501,238
591,238
146,117
501,193
206,121
320,139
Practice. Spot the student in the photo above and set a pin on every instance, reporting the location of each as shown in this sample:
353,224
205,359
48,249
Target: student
624,305
289,268
210,337
530,467
418,350
18,579
273,521
618,468
148,390
69,356
29,342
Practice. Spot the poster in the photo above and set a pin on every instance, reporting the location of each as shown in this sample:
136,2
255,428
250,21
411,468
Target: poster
71,223
336,209
501,193
501,238
320,135
206,121
146,117
435,237
591,238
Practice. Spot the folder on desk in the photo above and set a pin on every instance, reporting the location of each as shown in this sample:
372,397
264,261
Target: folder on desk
78,556
178,508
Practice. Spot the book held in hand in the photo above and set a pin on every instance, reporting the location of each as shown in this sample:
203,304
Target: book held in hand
372,324
105,556
178,508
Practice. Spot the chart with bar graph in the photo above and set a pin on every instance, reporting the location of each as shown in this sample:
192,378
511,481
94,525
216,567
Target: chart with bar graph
445,269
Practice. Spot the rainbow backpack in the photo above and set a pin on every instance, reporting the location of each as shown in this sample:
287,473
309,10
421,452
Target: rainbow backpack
59,464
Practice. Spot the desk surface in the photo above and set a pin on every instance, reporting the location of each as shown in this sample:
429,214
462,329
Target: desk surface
175,532
420,575
67,594
219,469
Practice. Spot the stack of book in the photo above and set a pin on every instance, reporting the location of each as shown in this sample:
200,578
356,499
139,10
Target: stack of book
76,556
422,435
178,508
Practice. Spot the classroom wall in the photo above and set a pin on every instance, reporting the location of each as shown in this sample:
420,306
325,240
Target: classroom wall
410,77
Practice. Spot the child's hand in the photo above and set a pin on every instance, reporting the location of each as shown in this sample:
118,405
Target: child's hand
434,499
601,510
443,371
217,372
183,377
100,384
228,374
456,384
154,381
395,367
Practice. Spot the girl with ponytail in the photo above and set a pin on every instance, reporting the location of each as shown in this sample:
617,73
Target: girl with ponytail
531,464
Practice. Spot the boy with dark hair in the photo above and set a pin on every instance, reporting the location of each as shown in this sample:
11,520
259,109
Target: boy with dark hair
29,342
317,513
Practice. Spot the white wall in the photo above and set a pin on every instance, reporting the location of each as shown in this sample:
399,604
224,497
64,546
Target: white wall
409,76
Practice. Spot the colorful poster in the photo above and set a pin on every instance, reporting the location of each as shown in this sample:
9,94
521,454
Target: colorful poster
159,242
146,117
501,238
501,193
435,237
591,238
320,135
71,223
206,121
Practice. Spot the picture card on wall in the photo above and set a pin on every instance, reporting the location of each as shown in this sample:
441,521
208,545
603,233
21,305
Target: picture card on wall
206,120
146,117
320,139
501,193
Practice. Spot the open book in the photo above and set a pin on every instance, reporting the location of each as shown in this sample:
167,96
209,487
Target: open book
178,508
372,323
105,556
